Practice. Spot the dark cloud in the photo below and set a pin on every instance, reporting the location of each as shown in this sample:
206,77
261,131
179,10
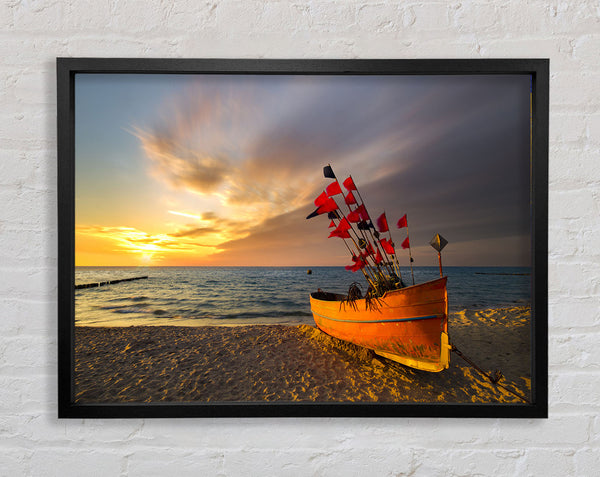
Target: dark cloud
452,152
455,158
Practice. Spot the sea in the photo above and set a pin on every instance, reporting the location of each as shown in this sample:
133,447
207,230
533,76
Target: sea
198,296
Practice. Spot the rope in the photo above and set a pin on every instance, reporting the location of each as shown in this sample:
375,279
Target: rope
494,379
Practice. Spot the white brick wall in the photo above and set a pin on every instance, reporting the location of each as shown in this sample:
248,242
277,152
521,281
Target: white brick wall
34,442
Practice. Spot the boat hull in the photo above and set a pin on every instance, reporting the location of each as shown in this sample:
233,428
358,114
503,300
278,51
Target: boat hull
409,325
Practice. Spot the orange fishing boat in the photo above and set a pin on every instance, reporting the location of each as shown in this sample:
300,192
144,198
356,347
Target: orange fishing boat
408,325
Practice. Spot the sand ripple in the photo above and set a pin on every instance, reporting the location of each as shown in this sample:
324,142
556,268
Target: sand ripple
292,363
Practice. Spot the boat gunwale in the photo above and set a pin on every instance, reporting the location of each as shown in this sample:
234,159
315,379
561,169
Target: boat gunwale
382,297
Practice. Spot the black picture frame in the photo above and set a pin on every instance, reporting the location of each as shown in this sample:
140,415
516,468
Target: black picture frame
67,68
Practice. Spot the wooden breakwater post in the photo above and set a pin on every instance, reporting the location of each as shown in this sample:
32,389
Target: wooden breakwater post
108,282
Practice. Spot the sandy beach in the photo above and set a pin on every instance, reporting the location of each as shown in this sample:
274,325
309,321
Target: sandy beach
294,363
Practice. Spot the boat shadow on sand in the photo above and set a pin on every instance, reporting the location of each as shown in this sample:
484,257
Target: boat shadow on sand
494,339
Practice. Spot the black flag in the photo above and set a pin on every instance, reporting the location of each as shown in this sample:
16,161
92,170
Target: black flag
313,214
328,172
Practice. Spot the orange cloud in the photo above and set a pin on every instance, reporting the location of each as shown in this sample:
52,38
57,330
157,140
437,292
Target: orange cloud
106,243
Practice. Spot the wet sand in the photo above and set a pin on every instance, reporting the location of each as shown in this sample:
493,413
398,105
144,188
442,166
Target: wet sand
294,363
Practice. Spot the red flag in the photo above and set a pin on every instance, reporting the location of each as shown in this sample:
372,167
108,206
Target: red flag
378,257
354,216
341,230
349,184
406,243
362,211
328,206
321,199
333,189
349,199
331,224
339,233
344,225
402,222
358,264
382,224
387,246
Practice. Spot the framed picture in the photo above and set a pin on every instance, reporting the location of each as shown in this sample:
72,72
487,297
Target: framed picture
302,237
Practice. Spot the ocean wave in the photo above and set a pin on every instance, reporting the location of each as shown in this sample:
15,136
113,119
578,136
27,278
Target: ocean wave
265,314
133,309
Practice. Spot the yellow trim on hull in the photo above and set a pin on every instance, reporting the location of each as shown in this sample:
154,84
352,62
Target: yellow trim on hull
424,365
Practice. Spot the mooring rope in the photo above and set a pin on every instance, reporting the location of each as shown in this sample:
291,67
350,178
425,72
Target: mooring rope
493,379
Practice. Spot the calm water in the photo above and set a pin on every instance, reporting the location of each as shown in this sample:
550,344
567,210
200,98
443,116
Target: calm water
253,295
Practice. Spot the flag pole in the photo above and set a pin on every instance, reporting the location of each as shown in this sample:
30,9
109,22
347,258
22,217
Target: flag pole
438,242
396,263
370,276
375,240
409,253
329,169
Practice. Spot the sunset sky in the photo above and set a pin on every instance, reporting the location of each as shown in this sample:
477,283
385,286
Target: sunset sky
223,170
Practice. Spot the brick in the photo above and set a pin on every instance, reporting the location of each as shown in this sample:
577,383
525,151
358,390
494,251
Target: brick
581,88
35,87
17,50
338,17
595,431
587,461
68,462
39,16
15,311
467,462
585,50
25,207
590,238
105,432
432,16
593,129
472,16
25,123
562,346
379,17
573,430
91,16
575,388
204,14
31,354
573,204
574,165
567,128
163,461
547,462
568,277
579,17
15,462
139,16
21,395
565,240
574,312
